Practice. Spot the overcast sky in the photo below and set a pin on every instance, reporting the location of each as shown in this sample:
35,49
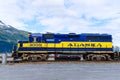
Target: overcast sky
63,16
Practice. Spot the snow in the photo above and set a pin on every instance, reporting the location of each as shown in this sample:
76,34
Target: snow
3,25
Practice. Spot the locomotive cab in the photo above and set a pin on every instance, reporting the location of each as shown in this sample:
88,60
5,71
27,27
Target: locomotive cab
35,38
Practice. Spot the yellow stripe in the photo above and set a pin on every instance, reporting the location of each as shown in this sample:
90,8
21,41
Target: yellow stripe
18,45
70,45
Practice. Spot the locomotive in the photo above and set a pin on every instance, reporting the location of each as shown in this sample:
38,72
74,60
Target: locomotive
86,46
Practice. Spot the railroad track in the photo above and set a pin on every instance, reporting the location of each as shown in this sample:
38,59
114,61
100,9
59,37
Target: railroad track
53,61
61,62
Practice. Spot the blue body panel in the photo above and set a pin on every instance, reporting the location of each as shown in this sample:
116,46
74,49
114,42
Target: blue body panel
65,49
57,38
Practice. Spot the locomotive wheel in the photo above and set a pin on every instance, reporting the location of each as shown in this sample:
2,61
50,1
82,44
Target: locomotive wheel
97,57
39,58
32,58
89,57
103,58
94,58
108,57
29,59
24,57
44,57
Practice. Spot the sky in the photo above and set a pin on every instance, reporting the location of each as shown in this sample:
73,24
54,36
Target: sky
63,16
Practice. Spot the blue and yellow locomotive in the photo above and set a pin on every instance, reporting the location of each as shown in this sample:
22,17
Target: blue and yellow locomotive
86,46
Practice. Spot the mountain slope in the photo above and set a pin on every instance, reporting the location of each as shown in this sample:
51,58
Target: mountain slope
9,37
